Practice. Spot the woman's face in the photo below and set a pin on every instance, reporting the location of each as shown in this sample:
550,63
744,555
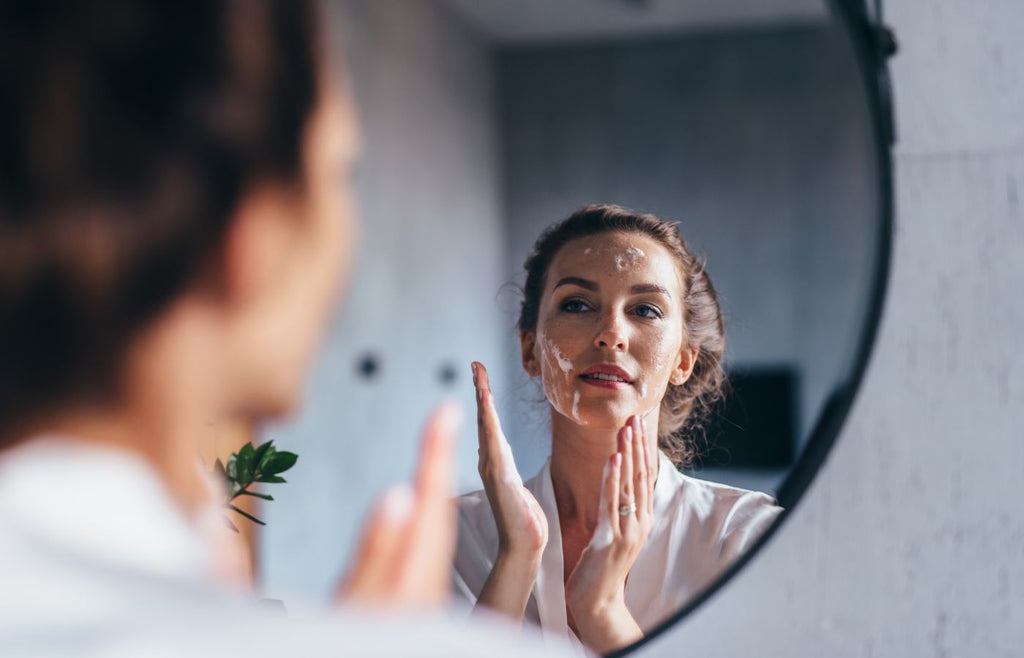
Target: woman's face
609,334
311,263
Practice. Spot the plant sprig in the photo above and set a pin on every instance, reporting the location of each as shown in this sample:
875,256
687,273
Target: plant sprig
249,466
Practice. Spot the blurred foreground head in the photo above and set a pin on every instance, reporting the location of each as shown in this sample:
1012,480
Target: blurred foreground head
161,160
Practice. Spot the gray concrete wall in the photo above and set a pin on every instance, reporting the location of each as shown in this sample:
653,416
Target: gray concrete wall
423,294
911,541
754,139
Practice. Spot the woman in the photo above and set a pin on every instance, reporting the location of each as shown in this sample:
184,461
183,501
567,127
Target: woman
175,223
622,326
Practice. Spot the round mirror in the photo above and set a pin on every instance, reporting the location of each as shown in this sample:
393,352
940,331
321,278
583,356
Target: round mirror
757,127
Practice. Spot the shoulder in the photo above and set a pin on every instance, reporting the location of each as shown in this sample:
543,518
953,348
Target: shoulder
729,516
717,497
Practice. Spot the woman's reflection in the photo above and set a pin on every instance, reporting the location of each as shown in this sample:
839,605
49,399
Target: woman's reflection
622,324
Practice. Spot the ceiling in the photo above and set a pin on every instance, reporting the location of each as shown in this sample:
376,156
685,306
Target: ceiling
523,21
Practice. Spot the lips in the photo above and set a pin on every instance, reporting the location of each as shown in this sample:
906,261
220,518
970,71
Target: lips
606,373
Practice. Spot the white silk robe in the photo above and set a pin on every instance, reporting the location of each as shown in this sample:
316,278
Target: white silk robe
96,560
699,528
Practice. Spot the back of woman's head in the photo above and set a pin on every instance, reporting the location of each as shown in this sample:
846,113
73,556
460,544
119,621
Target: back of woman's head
129,132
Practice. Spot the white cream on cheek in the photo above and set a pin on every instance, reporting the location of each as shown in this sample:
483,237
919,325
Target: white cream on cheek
556,377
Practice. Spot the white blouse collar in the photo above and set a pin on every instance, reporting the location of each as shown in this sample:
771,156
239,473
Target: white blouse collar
550,586
549,589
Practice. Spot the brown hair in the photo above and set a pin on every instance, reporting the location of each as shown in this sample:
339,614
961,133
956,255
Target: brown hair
129,132
685,407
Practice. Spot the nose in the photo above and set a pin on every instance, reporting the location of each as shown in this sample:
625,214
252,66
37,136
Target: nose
612,333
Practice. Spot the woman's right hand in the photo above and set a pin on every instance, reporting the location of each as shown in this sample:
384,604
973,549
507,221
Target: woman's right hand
405,556
522,526
521,523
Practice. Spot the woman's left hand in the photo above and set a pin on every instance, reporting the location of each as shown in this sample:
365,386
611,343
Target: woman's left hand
595,590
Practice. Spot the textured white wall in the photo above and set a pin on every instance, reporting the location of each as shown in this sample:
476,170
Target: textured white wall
911,540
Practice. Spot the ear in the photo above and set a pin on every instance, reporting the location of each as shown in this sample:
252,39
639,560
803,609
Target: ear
527,344
258,244
687,360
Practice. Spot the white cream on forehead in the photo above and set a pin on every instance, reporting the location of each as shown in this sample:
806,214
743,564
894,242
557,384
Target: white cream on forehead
628,257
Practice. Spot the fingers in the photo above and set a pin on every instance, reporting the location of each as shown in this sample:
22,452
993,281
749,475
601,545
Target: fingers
640,475
488,425
430,545
651,461
404,556
437,454
372,576
610,491
495,452
627,499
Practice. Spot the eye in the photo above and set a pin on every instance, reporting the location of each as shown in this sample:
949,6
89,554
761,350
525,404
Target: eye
574,305
648,311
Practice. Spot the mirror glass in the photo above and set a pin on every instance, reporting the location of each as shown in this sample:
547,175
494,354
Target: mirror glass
485,121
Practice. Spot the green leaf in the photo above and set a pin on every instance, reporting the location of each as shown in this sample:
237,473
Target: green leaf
246,464
234,489
273,479
261,453
231,471
256,494
247,515
267,457
280,463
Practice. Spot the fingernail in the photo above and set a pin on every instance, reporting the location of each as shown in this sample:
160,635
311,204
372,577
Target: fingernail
397,504
449,417
472,367
627,436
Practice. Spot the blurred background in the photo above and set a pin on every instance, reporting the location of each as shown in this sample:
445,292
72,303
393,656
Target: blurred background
485,121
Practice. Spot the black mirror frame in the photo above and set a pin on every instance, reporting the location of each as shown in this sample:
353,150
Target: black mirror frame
873,44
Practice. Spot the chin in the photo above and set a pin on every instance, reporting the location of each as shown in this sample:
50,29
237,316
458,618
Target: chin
600,416
279,403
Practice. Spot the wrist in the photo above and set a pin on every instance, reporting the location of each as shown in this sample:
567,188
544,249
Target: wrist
524,563
606,625
595,609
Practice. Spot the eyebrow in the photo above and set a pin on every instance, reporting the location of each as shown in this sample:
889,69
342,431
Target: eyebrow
638,289
641,288
576,281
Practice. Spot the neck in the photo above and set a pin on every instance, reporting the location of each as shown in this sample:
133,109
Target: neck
164,413
578,457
